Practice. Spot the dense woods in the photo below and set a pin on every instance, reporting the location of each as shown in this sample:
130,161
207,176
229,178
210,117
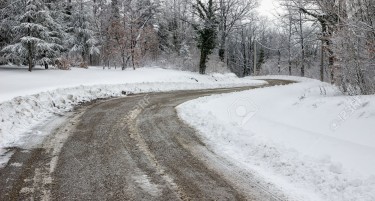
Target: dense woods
330,40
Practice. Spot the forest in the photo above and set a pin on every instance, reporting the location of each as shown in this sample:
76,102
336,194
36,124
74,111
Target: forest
330,40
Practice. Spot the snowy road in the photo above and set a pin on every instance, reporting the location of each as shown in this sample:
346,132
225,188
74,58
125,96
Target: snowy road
132,148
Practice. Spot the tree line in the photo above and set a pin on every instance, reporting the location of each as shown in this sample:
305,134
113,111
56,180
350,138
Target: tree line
330,40
341,35
112,33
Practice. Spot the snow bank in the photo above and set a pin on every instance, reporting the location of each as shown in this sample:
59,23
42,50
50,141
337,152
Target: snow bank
28,99
307,139
16,81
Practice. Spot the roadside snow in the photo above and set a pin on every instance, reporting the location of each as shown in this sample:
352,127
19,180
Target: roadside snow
29,99
307,138
17,81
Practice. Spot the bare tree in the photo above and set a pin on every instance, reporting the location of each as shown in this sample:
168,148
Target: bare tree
232,13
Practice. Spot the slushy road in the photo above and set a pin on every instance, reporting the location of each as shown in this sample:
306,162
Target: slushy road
131,148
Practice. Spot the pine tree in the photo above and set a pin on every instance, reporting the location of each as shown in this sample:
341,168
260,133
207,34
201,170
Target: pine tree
82,41
7,21
39,36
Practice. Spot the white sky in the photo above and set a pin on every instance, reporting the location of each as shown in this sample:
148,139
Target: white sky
268,7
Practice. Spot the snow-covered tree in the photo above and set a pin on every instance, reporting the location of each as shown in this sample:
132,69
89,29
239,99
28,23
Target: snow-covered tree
38,36
231,15
206,31
82,41
140,20
354,44
8,20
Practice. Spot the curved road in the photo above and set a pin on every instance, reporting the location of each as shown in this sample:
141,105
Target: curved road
131,148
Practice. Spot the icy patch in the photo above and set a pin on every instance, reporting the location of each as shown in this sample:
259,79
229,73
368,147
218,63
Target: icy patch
16,164
146,185
5,156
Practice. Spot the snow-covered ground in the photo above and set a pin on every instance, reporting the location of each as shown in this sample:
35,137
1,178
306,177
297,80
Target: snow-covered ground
17,81
29,99
307,139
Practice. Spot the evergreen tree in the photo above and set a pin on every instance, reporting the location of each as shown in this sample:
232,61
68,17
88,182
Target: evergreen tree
8,12
82,41
39,36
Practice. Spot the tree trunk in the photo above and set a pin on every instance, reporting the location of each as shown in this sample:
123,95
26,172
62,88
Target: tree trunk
322,62
256,69
222,47
279,60
30,57
30,63
222,54
302,47
123,60
249,56
222,30
328,22
202,62
331,57
83,57
132,45
244,54
132,51
331,64
289,46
